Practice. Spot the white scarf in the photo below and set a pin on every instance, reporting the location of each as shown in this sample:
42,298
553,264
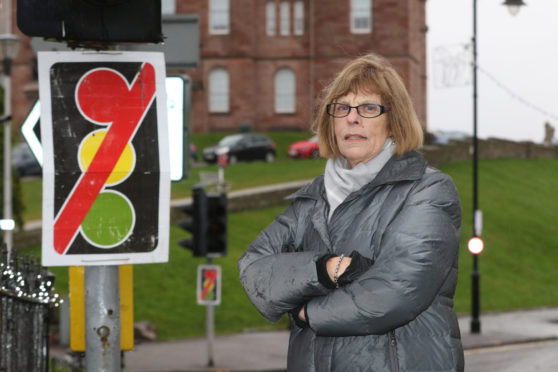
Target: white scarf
340,181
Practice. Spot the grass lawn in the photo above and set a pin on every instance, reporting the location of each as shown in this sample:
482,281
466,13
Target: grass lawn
517,196
165,294
520,208
239,176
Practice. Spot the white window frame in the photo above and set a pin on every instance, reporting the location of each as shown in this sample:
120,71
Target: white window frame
299,18
219,9
285,91
361,11
271,18
285,18
219,90
6,19
168,6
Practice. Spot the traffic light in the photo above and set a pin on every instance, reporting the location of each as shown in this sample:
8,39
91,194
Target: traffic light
475,245
197,225
217,225
92,20
208,224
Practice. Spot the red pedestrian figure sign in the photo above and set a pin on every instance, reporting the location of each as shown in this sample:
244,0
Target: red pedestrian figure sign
106,185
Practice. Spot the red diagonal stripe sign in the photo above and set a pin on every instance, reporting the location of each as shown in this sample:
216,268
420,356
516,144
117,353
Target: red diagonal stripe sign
209,281
104,96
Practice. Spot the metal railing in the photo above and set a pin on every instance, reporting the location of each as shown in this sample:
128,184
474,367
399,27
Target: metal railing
26,299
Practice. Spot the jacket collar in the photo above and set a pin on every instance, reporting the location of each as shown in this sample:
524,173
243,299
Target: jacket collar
407,167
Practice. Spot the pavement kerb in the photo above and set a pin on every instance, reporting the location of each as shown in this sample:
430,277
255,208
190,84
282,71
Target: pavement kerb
255,197
512,327
493,344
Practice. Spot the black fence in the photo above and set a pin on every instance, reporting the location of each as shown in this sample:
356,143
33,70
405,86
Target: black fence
26,300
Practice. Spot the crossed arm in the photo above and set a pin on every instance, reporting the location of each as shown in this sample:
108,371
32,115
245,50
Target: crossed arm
336,267
417,253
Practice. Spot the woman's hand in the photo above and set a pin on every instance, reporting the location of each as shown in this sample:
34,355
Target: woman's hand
301,314
331,266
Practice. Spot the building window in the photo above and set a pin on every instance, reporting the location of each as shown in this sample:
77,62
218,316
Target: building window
298,18
219,90
361,16
219,17
285,90
5,17
168,6
285,18
270,15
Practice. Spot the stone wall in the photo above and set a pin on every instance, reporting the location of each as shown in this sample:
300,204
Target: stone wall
491,148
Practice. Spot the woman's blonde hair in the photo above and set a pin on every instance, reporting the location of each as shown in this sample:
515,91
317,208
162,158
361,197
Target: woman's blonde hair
370,74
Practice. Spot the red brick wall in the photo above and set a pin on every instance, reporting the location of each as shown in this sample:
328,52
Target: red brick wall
266,117
23,90
252,58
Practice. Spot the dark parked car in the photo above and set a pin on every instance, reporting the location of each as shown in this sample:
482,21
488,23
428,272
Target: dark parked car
305,149
24,161
242,147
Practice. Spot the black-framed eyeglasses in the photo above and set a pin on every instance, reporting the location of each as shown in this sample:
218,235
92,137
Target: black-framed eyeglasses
366,110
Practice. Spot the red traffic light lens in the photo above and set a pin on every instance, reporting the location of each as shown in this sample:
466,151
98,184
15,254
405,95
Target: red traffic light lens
475,245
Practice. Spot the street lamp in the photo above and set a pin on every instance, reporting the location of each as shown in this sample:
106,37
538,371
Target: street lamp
513,7
9,46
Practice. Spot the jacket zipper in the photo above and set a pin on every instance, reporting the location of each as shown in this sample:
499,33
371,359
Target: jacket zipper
393,351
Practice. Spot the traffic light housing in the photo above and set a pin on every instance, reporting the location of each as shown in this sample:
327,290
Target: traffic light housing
208,224
217,225
197,224
91,20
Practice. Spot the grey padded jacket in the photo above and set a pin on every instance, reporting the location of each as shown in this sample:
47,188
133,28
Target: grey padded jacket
398,315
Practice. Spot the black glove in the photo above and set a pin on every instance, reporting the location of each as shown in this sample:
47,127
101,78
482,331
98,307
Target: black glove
321,269
359,264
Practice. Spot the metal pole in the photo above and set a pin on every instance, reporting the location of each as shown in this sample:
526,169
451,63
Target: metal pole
102,319
210,328
475,275
8,237
221,179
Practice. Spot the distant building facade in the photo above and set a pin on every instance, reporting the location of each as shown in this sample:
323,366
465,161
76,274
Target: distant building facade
263,62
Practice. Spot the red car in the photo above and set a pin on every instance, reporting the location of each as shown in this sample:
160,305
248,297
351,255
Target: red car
305,149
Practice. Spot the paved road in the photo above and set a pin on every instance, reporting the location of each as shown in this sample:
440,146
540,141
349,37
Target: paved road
517,341
528,357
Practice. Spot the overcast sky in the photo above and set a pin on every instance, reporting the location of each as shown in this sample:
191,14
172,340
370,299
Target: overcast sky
518,68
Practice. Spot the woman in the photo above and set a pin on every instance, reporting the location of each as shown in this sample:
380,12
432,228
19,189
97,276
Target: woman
364,260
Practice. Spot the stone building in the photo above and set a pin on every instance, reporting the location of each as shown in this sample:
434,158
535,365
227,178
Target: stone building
263,62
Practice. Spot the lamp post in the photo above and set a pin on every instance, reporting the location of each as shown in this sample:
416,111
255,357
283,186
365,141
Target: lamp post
9,46
513,7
